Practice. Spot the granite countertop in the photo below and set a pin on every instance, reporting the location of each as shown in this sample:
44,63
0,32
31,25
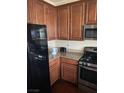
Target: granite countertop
52,57
71,55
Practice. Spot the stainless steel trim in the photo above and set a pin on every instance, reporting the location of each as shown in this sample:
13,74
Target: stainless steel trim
88,84
85,83
91,65
80,62
88,68
87,64
92,51
88,26
87,89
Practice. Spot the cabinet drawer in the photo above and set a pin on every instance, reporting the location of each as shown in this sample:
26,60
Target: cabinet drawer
69,61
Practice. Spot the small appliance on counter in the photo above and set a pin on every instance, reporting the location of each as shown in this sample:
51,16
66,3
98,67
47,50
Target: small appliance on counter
63,49
54,50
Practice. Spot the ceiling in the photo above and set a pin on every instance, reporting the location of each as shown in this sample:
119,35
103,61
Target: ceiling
60,2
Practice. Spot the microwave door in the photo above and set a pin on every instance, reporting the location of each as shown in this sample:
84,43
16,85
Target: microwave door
90,34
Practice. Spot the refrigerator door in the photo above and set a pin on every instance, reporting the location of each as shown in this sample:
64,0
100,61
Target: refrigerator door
38,79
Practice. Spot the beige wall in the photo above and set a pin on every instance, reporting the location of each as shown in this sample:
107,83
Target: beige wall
76,45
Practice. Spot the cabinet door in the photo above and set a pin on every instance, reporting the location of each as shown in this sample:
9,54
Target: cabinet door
53,74
35,12
91,12
54,71
63,22
39,10
69,72
31,17
51,21
76,21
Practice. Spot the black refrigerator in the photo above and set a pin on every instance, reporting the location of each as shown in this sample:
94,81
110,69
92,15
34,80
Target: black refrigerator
38,79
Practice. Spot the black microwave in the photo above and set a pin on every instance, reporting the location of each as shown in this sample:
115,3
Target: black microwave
90,32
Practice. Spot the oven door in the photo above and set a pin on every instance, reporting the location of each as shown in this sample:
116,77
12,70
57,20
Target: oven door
88,76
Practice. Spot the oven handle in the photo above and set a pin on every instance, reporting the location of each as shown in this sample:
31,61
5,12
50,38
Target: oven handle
89,68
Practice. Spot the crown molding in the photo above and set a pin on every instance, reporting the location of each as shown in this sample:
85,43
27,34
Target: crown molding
61,2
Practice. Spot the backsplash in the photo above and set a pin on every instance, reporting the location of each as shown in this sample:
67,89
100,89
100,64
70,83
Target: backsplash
51,43
69,44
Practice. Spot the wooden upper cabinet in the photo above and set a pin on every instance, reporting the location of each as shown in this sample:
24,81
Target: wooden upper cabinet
31,17
77,11
91,12
29,4
35,12
63,22
39,10
51,21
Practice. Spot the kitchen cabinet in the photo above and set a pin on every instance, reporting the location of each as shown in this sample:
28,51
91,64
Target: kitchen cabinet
69,70
77,11
51,21
91,12
31,17
63,22
54,70
71,20
39,9
39,12
35,12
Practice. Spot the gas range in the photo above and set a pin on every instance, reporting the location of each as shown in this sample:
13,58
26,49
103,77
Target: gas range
87,75
89,57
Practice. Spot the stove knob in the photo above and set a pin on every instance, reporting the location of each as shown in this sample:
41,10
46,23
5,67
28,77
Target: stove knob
85,64
80,63
87,59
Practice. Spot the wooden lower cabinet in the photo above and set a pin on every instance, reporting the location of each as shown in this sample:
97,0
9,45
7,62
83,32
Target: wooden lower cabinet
69,70
54,70
63,68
